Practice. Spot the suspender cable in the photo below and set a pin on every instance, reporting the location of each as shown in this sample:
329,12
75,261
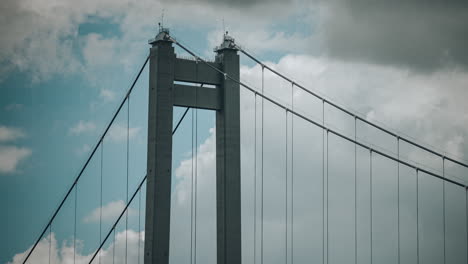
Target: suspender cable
398,198
292,175
113,249
263,124
417,216
443,205
74,225
128,152
328,244
195,189
100,207
286,196
50,241
191,188
323,183
255,181
139,226
355,191
371,205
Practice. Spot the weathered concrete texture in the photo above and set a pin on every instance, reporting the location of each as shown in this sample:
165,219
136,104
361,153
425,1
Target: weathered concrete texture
228,180
158,194
165,68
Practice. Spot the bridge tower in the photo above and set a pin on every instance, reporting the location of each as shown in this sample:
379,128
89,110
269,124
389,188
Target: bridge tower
166,69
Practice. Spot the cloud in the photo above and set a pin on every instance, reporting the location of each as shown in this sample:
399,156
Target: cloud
118,132
63,252
107,95
423,36
82,127
108,212
8,134
11,156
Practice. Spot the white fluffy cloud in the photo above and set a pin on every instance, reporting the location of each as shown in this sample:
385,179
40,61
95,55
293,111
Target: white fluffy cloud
11,156
108,212
10,133
63,253
118,132
107,95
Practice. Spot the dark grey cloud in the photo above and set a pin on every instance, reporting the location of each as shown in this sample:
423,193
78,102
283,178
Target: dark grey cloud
422,35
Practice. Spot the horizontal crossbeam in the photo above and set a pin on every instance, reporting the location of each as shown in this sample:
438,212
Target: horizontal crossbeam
195,72
196,97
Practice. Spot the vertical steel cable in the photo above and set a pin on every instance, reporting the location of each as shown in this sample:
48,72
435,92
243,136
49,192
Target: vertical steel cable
443,201
323,183
255,180
128,151
191,189
417,216
50,241
466,212
286,196
74,225
371,205
113,249
328,237
100,207
292,175
355,191
195,189
398,198
263,124
139,221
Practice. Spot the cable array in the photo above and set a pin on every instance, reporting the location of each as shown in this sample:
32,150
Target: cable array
350,113
328,130
114,225
335,132
88,160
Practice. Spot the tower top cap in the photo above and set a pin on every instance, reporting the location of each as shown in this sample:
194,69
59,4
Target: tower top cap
163,35
228,43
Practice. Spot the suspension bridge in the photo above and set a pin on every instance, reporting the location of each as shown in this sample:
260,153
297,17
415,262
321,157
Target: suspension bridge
311,181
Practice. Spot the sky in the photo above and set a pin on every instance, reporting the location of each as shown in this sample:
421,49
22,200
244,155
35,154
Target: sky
65,66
